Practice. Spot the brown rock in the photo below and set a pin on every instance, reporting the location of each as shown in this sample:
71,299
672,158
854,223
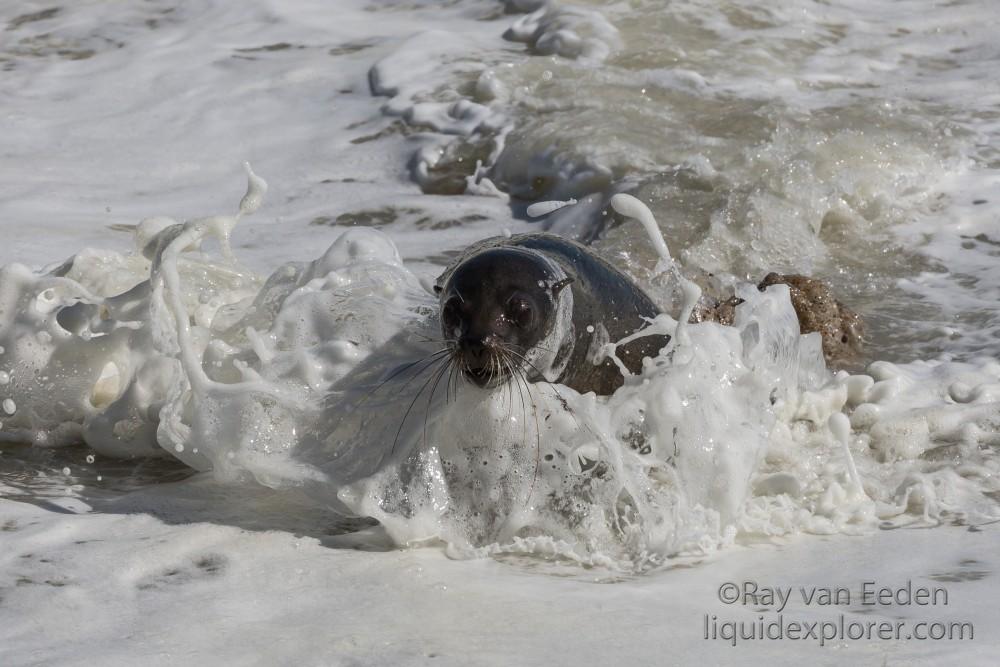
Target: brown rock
711,310
840,327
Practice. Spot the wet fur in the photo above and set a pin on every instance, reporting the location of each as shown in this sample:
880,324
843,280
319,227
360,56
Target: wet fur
603,298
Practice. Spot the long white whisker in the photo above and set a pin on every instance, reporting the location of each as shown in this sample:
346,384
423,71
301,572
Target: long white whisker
430,399
399,430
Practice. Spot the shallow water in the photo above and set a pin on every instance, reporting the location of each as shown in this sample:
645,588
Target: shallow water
811,137
239,385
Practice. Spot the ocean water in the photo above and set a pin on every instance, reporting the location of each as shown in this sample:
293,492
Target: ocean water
226,437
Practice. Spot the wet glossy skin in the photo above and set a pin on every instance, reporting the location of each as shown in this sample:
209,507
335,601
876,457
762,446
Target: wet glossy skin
500,299
504,298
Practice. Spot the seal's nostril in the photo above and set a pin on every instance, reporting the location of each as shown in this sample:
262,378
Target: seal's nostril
474,348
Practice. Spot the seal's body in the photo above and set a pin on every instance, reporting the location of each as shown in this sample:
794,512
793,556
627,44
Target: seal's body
544,308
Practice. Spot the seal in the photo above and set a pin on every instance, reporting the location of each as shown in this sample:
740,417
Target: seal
543,308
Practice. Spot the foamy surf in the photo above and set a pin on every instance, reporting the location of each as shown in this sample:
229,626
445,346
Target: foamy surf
854,141
299,380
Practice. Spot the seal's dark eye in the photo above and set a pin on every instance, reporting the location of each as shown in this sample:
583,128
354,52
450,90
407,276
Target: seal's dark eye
519,312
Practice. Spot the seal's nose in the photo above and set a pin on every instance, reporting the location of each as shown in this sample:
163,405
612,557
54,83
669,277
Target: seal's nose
477,353
474,347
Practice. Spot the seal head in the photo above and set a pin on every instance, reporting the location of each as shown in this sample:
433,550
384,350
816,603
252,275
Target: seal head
540,308
497,307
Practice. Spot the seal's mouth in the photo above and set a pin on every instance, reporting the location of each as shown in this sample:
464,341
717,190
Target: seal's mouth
488,376
489,362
